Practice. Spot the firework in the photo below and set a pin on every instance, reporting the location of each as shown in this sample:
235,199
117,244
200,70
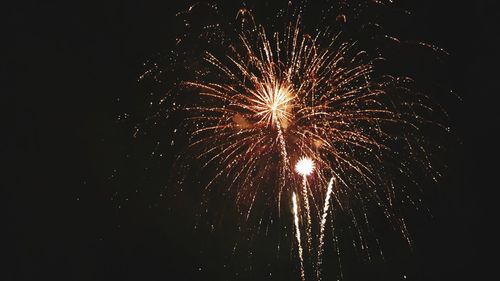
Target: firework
275,97
297,235
326,206
305,167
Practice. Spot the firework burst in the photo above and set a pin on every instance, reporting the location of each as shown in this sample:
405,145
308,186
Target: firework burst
277,100
306,123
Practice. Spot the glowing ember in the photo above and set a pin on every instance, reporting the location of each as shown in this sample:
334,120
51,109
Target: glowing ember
305,166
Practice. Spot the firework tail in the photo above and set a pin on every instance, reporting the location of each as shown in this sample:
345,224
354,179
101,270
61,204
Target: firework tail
307,213
297,235
284,155
326,206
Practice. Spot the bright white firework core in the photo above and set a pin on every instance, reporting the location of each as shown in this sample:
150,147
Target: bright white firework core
305,166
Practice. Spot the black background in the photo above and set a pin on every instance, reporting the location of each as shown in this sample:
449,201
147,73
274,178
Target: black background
70,64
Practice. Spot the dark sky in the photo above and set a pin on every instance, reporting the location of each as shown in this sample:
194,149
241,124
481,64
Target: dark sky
74,212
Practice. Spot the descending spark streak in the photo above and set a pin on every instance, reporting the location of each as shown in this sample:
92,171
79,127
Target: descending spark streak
297,235
308,213
284,156
305,167
326,206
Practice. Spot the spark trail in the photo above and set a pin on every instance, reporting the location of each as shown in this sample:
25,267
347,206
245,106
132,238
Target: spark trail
326,206
307,209
284,158
297,235
305,167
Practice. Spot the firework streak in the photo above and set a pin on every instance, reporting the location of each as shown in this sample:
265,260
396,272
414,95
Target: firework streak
297,235
326,206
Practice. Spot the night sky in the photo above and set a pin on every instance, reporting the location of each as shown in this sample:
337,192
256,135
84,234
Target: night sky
88,203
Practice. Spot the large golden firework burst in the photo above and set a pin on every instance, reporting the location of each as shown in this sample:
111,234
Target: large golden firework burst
310,101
